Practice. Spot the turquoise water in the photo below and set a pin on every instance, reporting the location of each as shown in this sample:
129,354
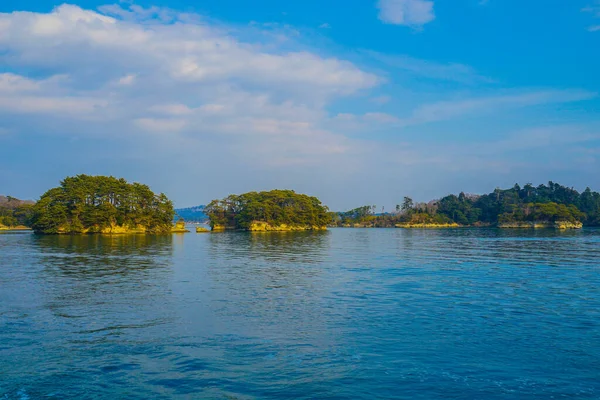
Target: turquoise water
349,313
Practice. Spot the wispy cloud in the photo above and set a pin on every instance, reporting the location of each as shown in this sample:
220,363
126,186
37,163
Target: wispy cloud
465,107
380,99
593,9
406,12
445,110
430,69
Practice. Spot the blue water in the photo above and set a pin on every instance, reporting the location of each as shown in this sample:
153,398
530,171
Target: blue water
349,313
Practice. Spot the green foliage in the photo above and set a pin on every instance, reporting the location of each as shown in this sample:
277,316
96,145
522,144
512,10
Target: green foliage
550,203
359,215
544,203
14,212
91,203
459,209
426,218
407,204
275,207
550,212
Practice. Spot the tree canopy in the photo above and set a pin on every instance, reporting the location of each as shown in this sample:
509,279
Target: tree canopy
86,203
15,212
543,203
275,207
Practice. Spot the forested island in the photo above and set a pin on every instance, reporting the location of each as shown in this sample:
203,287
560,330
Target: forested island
100,204
15,214
543,206
275,210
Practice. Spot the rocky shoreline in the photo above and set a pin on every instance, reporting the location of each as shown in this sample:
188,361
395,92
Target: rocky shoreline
541,225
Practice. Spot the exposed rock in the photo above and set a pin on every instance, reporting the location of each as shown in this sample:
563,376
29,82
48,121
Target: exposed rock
258,226
113,229
427,226
179,227
568,225
541,225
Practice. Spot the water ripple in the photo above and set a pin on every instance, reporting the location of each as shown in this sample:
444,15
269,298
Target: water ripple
349,313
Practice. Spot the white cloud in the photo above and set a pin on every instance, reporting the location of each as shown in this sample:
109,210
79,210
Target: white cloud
160,124
71,106
153,70
382,118
127,80
16,83
70,37
406,12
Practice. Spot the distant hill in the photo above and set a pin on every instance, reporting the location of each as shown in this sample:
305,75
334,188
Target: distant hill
11,202
15,212
191,214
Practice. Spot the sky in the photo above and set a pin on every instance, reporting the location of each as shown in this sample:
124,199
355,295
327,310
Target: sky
356,101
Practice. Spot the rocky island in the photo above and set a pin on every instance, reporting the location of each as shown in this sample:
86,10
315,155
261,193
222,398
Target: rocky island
100,204
275,210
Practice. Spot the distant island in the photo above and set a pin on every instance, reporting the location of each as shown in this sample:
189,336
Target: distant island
192,214
100,204
275,210
544,206
15,214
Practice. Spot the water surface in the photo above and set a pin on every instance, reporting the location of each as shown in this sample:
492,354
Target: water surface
349,313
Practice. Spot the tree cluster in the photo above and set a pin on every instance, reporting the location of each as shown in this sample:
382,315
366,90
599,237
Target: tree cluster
544,203
15,212
276,207
91,203
549,203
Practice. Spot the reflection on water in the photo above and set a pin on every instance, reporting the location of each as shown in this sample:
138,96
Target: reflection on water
285,247
349,313
75,302
103,255
269,277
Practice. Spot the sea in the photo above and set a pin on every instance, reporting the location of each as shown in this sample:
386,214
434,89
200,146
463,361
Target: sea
342,314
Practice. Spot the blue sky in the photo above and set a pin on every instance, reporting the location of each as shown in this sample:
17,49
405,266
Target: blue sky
356,102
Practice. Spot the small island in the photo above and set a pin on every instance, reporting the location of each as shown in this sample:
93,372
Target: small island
179,227
100,204
275,210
